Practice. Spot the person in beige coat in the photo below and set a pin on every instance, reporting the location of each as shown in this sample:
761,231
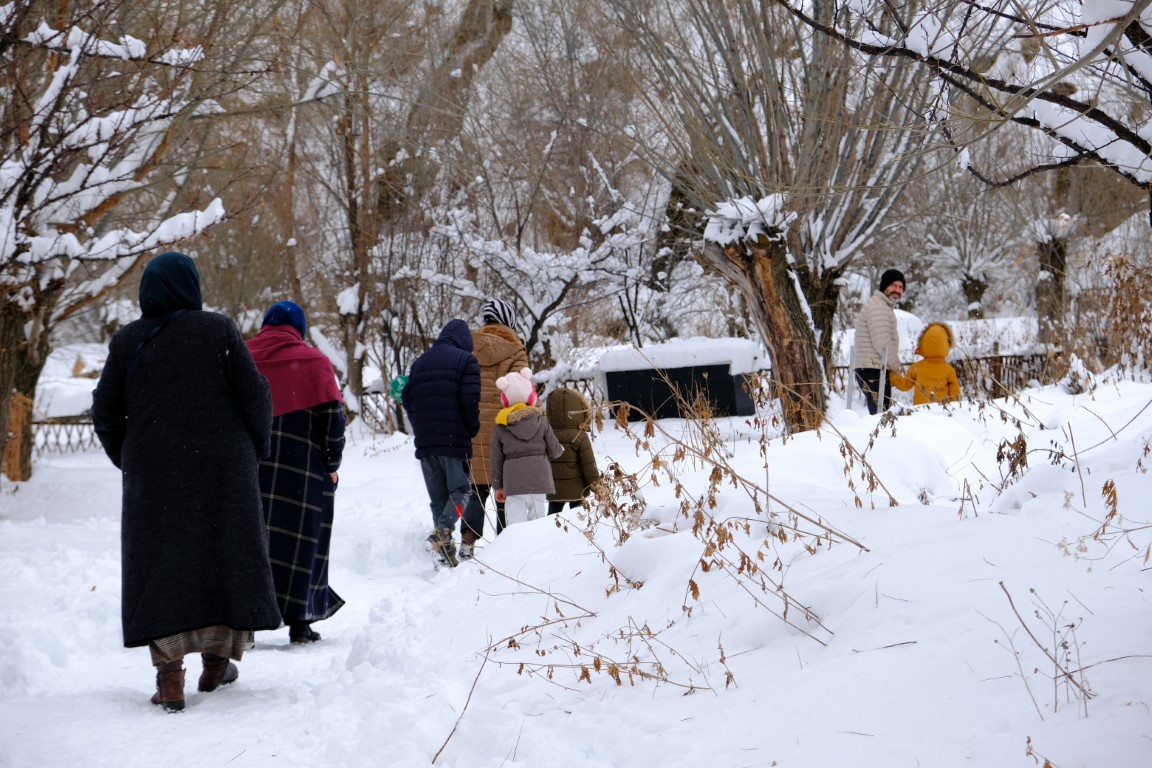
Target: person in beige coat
499,351
877,351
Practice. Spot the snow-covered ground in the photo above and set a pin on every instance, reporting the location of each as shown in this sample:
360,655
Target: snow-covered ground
941,637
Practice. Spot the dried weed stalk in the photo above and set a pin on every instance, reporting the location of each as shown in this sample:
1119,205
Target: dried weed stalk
744,548
1061,651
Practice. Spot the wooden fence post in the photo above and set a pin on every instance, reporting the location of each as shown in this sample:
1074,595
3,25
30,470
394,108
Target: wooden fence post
19,416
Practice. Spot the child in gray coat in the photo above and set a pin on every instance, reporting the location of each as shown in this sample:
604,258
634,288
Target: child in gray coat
522,445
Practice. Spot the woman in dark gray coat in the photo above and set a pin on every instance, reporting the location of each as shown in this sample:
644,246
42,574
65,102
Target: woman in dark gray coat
182,411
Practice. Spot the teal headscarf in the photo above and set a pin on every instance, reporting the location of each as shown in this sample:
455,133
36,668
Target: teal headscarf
170,282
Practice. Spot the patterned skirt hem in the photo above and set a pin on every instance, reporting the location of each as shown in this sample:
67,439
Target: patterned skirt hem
218,641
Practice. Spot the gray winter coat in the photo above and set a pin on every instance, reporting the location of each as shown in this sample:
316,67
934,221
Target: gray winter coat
520,452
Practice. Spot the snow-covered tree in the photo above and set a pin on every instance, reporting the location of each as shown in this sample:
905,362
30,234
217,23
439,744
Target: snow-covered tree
96,108
541,200
543,282
762,115
961,243
1078,74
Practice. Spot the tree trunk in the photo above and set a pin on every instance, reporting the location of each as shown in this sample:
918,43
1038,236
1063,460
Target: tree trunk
682,225
974,289
761,271
1053,257
28,369
822,292
436,117
389,179
11,335
25,338
360,237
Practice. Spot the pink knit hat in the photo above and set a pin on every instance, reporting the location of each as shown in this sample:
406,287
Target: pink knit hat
517,387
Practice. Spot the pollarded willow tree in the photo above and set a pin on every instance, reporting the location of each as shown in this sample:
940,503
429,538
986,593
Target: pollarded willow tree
97,105
763,115
967,238
1078,74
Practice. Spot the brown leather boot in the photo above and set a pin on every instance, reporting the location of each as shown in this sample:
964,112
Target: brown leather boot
218,671
170,686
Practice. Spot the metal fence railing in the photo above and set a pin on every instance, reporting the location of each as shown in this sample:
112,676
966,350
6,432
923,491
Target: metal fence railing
1001,375
980,377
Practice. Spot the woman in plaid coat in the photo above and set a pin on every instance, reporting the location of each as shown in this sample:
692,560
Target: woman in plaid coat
298,479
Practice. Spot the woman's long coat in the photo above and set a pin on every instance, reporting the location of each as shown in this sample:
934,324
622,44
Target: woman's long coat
499,351
299,508
186,418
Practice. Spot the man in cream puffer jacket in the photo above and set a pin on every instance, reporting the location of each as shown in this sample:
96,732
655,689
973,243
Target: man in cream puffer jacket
877,348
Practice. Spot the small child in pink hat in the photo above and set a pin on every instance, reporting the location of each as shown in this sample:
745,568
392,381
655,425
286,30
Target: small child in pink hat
522,445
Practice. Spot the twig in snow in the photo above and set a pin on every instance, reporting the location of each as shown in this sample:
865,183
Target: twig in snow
467,701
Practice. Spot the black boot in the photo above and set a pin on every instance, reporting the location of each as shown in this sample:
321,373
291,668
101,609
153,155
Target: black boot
300,632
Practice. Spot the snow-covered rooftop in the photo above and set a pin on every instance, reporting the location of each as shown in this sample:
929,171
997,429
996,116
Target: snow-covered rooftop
742,355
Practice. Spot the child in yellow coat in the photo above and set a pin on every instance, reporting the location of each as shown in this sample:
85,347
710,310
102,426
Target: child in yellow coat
933,379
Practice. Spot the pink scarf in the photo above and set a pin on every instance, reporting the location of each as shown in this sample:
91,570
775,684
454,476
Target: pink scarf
298,375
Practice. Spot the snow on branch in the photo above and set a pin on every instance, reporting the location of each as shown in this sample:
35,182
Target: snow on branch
127,48
327,83
60,256
1080,73
76,159
747,219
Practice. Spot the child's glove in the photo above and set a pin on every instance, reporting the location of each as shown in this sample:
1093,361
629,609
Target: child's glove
900,381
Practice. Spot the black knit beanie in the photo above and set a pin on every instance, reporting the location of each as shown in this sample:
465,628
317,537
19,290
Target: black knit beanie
891,276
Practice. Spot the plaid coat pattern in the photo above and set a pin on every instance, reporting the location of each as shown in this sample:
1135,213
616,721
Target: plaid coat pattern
299,506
